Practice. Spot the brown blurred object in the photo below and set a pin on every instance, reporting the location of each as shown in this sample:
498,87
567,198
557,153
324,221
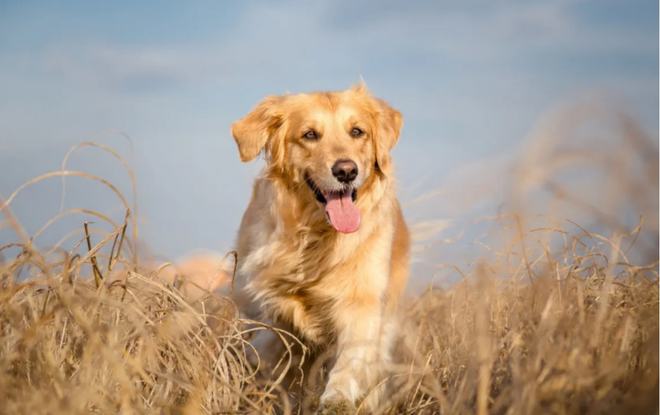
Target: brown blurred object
198,274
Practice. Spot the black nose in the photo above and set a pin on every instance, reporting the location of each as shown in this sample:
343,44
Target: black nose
345,170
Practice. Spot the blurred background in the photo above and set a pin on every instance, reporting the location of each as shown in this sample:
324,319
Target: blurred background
491,92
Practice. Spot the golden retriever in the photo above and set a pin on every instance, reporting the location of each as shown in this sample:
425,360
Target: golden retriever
323,247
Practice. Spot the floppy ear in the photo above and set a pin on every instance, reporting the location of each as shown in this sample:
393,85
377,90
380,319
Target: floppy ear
390,122
253,131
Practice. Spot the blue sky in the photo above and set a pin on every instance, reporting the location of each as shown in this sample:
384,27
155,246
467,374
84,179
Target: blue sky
472,78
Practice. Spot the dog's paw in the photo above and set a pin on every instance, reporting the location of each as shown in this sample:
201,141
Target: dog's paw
336,407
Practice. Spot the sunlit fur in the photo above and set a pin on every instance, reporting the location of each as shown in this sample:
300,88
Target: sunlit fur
293,267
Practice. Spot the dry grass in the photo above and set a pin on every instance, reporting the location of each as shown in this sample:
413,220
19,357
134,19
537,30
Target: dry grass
574,340
559,321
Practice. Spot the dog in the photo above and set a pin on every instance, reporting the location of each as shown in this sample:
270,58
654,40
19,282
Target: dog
323,248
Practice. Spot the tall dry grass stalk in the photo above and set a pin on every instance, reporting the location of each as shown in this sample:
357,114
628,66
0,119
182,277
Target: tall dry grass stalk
576,339
560,320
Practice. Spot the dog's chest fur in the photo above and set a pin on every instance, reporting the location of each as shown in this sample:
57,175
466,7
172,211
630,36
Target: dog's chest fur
295,269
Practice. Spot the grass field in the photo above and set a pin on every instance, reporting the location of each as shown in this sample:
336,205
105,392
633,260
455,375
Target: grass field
560,320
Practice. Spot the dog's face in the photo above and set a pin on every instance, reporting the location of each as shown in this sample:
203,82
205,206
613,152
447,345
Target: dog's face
330,142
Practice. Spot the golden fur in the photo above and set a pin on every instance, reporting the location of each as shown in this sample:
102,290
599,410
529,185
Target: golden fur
293,267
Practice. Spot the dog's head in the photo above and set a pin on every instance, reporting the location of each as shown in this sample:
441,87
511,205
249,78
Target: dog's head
330,142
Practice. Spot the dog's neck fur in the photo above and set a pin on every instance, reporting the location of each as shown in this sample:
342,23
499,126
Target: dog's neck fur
299,221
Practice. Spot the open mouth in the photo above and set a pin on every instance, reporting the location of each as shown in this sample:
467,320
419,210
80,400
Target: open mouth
340,209
320,195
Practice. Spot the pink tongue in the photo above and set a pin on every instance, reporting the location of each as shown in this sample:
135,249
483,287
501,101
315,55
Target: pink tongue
344,215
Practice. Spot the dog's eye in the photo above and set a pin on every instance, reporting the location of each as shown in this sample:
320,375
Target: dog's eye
357,132
311,135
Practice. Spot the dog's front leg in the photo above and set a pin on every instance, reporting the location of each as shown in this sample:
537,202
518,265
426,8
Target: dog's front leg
362,351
